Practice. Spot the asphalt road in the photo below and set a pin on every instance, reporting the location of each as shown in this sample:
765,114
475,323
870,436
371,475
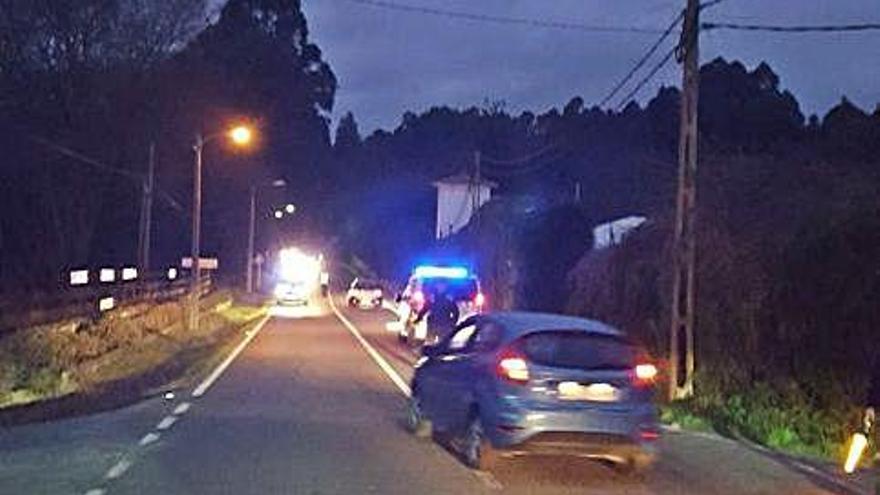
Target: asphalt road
305,409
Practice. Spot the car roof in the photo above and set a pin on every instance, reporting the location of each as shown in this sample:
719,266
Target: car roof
518,323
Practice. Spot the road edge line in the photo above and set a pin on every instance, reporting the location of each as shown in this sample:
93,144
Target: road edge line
215,375
373,353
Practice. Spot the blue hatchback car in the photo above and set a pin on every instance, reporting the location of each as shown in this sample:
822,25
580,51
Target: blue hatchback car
513,383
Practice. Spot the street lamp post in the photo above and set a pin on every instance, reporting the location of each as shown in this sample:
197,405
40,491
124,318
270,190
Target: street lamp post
195,271
251,233
240,136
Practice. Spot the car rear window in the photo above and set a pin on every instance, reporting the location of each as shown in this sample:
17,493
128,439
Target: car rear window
368,285
458,289
577,349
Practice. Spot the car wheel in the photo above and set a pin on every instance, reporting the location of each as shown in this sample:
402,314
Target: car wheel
352,303
477,450
416,422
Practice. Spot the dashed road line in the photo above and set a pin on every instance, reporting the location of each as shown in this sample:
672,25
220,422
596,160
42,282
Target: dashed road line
148,439
118,469
96,491
182,408
206,384
383,364
166,423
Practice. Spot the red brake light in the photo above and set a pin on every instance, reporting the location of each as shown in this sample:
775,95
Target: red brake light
479,300
645,374
513,367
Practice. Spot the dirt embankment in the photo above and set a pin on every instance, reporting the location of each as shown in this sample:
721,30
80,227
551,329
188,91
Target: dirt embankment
79,366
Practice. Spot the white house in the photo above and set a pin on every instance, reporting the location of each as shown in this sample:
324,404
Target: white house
457,198
612,233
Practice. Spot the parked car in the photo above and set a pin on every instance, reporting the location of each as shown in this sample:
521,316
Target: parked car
364,294
517,383
293,293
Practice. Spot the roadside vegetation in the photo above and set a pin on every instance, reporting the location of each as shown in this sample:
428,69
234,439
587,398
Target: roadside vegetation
71,357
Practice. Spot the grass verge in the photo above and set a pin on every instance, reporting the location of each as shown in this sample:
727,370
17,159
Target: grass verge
119,357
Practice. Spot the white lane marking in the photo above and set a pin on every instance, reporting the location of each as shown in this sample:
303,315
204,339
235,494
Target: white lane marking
484,476
118,469
148,439
96,491
182,408
206,384
383,364
166,422
487,479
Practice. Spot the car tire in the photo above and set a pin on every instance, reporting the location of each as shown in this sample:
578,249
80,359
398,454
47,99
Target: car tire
477,450
352,303
416,422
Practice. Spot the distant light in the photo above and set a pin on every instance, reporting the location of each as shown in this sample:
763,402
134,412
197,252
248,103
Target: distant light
241,135
169,395
428,271
279,183
278,214
289,208
172,273
106,303
129,273
79,277
107,275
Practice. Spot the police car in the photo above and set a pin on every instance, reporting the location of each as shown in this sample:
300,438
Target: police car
435,299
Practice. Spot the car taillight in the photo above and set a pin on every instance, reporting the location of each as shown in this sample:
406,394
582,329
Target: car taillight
479,300
513,367
644,374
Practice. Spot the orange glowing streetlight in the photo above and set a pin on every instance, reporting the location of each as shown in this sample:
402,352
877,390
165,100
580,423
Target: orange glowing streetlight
240,135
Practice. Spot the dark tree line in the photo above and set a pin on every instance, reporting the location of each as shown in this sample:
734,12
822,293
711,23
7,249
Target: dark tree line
86,85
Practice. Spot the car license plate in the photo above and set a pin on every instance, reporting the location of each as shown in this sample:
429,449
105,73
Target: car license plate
594,392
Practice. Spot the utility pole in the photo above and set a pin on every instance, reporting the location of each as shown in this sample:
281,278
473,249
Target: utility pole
249,278
147,214
684,243
477,189
195,271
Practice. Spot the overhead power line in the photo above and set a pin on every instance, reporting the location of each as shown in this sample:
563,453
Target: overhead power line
666,58
498,19
827,28
522,159
641,62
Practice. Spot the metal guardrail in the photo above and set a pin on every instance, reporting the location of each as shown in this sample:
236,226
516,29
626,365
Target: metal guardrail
29,310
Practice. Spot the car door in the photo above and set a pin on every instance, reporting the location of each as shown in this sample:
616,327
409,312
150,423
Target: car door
452,372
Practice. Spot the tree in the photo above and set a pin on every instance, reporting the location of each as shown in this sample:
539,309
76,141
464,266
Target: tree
347,135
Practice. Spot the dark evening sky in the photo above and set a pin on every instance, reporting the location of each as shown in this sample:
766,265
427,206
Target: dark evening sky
389,61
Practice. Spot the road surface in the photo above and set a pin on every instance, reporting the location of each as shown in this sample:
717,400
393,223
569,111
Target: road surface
304,408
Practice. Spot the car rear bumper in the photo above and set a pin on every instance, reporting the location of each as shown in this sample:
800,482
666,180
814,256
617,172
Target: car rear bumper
590,445
615,434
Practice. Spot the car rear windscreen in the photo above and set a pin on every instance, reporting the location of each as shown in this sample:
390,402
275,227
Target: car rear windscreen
369,285
577,349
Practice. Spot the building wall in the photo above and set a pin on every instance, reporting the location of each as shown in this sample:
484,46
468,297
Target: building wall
455,206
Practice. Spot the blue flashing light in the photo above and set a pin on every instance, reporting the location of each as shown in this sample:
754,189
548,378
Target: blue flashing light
429,271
